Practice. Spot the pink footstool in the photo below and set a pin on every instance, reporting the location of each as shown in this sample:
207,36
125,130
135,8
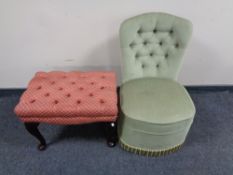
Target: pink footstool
69,98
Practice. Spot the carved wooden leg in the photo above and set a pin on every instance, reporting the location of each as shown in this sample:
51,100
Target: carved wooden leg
111,132
32,128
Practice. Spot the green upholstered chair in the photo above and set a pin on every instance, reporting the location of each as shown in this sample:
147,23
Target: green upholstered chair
156,111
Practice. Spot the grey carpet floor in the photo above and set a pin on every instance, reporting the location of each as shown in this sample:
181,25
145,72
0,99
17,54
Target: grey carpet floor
82,149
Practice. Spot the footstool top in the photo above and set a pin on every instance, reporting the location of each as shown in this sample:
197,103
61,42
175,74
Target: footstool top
69,98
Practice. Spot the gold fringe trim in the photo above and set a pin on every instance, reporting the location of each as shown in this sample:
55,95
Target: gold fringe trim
148,152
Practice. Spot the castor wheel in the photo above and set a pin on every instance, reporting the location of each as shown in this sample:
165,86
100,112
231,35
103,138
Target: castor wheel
111,142
41,147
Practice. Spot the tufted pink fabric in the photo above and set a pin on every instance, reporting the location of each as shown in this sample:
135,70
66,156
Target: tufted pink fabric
69,98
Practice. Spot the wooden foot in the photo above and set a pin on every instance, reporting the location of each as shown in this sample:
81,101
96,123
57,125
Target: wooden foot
32,128
111,133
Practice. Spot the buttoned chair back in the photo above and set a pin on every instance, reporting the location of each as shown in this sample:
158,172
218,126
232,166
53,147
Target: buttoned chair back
152,45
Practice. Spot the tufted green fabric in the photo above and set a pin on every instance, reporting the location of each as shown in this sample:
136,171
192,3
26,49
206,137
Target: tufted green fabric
156,111
153,44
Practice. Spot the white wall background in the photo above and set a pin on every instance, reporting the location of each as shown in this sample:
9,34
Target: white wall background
83,34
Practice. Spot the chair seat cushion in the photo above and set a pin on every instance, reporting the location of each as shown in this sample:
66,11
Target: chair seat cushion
156,115
69,98
156,100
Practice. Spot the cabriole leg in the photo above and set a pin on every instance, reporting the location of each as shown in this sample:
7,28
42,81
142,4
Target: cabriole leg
32,128
111,132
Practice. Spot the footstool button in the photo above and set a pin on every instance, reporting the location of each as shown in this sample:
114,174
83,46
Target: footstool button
47,94
91,95
101,101
32,101
78,101
102,87
60,89
55,101
68,95
39,87
81,88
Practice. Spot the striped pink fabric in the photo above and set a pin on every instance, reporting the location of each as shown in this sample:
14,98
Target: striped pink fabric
69,98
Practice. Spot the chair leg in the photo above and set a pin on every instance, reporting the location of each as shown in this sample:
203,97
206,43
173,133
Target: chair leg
32,128
111,133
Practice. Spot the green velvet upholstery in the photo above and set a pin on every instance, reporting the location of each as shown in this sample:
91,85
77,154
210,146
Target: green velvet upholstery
159,107
156,111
